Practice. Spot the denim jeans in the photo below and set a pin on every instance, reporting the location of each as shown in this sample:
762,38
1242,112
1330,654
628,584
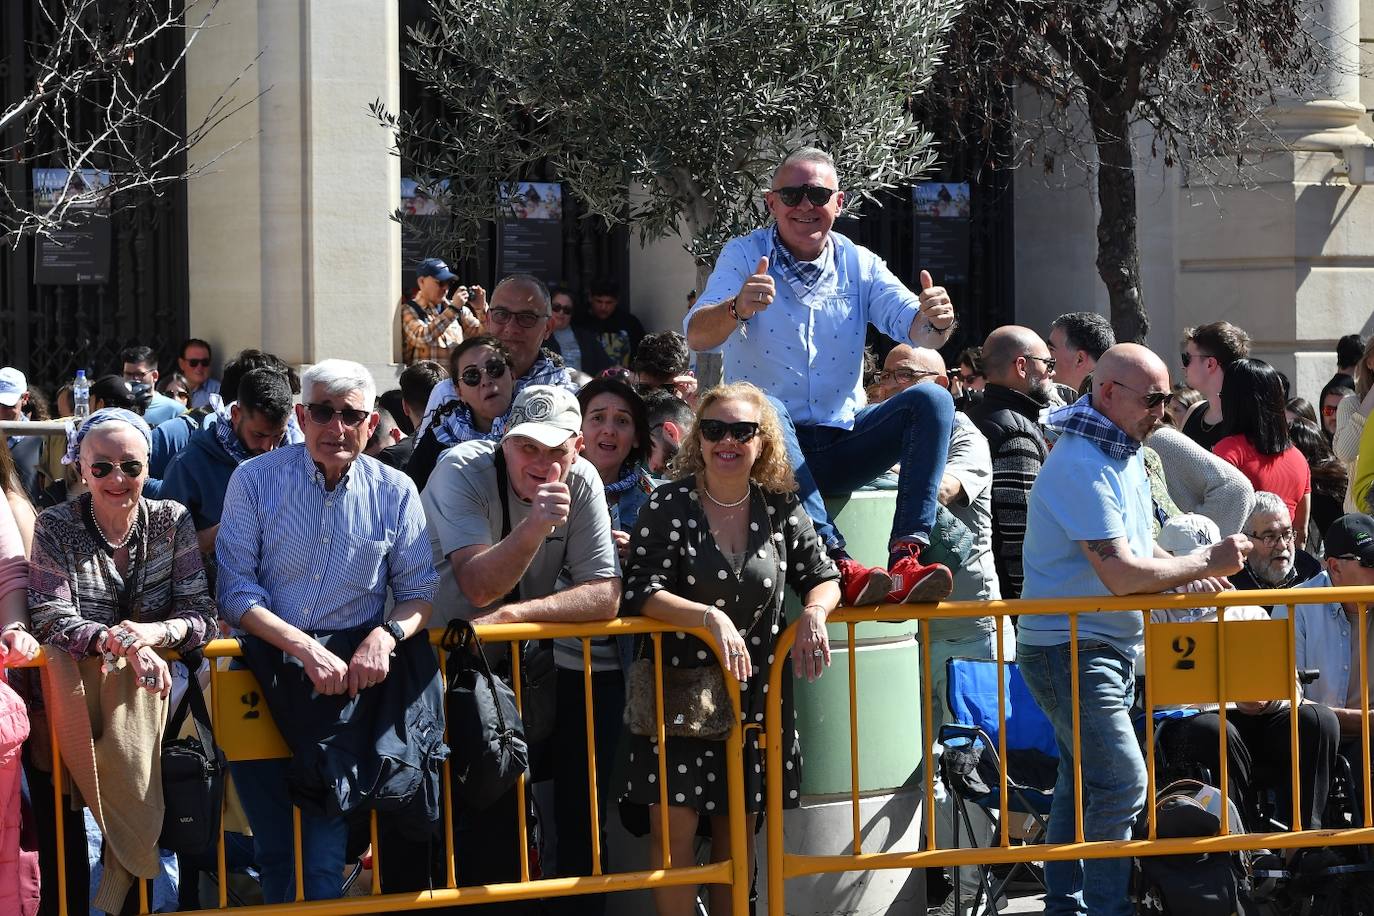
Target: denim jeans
911,427
261,785
1113,770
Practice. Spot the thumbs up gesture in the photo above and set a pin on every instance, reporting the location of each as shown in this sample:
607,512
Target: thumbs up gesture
937,310
552,501
756,293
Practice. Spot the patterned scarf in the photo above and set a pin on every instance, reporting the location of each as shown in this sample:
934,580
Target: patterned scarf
230,441
1081,419
802,276
633,477
457,427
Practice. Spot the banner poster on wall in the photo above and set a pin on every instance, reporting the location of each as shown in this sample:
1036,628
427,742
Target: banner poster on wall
942,216
419,240
529,236
79,251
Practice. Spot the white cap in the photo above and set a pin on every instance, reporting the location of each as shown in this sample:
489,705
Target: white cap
1188,533
546,414
12,386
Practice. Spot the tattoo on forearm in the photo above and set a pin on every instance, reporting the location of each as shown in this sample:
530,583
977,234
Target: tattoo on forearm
1106,549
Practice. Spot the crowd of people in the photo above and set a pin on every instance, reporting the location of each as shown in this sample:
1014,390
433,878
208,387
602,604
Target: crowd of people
534,465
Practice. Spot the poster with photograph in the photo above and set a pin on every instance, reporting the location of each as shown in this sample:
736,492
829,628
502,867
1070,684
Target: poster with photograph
424,203
530,234
942,212
78,253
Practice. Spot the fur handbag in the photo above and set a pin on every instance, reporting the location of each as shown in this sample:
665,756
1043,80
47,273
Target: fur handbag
696,703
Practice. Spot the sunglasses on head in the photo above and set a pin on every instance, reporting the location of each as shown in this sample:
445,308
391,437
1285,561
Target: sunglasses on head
130,468
472,375
199,363
524,319
323,415
1187,357
793,194
741,432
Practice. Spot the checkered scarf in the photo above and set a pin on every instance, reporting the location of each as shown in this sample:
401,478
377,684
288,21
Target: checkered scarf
229,440
1081,419
802,276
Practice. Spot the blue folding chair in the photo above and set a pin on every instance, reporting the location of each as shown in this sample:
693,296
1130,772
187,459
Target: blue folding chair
971,765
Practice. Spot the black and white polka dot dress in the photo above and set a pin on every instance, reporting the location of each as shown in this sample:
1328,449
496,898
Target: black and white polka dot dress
672,548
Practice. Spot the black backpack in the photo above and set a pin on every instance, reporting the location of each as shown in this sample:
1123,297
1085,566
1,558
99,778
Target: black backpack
1193,884
192,775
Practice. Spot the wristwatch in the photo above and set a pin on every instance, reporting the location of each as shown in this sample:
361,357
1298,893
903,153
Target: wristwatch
395,630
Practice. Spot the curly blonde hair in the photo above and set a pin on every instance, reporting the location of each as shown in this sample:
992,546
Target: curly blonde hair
771,471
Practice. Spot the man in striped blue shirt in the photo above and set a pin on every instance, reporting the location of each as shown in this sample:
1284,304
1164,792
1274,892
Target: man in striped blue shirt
311,539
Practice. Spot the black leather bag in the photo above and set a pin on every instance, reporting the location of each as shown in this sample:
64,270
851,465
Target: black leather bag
484,728
538,689
192,776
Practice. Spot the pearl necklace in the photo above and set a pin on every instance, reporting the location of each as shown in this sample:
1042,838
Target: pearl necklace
133,529
739,502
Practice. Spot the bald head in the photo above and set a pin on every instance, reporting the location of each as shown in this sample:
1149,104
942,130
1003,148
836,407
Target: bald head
1127,378
906,366
1016,357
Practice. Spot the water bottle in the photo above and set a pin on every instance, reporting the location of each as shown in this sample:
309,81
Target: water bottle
81,396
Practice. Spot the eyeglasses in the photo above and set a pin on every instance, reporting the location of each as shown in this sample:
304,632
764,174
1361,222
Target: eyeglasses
563,309
323,415
1366,562
1049,361
792,195
741,432
99,469
198,363
472,375
1270,538
1329,410
1187,357
1152,399
524,319
905,376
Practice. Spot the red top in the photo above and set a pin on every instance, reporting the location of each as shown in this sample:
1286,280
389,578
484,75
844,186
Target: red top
1286,474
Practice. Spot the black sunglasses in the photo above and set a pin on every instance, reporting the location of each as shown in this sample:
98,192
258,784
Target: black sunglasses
1366,563
1152,399
472,375
793,194
741,432
323,415
563,309
1049,361
1185,357
198,362
131,468
524,319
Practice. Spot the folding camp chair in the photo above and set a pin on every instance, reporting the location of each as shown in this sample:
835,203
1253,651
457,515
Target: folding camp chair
971,766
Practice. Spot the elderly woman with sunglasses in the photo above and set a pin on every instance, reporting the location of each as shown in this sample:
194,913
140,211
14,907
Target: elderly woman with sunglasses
714,549
480,368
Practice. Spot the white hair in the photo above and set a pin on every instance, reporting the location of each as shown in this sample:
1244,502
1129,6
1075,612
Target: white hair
1267,503
338,377
807,154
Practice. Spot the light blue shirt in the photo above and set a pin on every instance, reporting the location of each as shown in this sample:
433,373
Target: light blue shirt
207,395
161,409
1324,636
320,559
1081,494
810,354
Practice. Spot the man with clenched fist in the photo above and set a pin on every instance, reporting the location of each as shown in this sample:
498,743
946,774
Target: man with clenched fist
789,306
521,534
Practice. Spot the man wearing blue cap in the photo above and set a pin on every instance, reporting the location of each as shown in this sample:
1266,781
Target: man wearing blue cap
431,324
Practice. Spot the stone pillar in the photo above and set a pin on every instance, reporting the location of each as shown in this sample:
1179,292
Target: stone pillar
290,244
1291,260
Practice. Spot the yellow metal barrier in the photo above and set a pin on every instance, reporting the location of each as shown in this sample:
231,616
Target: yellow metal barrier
1187,663
244,730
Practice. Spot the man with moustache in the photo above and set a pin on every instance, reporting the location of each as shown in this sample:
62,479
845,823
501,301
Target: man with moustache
1020,384
1276,561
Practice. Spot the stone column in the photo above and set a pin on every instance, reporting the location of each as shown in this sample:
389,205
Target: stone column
291,248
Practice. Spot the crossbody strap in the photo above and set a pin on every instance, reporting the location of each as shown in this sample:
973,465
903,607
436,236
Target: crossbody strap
502,487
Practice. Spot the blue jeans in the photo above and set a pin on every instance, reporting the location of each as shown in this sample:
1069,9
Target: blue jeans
1113,772
911,427
261,785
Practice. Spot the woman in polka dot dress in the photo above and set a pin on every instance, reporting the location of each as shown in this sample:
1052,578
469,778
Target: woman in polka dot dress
714,548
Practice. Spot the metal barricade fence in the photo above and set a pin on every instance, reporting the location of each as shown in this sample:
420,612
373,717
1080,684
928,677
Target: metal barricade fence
244,731
1195,662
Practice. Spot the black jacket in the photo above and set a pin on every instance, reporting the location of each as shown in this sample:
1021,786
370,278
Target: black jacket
1010,421
382,750
1305,566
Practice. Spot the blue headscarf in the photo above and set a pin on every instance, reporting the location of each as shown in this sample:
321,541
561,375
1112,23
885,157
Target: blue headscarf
100,418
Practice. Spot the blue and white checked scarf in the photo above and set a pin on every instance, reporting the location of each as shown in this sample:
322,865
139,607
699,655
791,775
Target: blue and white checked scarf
229,440
802,276
1081,419
457,426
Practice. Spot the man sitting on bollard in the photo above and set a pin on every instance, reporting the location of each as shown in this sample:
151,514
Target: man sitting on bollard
1089,532
790,305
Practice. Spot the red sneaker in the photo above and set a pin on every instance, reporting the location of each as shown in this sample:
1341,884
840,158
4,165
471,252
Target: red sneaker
915,583
860,584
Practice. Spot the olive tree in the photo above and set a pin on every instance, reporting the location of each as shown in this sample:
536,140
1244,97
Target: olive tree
666,115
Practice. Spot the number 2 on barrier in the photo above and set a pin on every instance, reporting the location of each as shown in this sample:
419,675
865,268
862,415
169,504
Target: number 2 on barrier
1184,668
244,728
